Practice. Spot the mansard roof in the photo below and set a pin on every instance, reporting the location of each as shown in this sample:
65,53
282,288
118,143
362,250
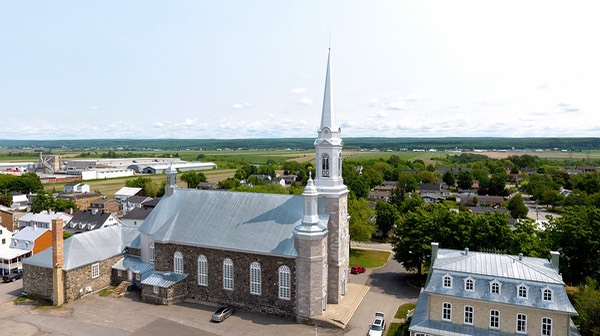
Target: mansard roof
250,222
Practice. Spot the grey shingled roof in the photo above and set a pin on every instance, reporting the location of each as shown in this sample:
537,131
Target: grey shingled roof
88,247
254,222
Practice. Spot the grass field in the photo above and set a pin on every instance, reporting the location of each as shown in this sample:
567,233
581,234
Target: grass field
368,258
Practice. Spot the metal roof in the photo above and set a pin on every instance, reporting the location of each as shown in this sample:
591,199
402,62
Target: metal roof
262,223
88,247
164,280
134,263
11,253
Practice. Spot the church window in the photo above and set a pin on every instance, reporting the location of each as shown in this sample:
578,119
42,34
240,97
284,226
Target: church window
202,271
255,278
325,165
151,253
284,282
339,166
228,274
178,263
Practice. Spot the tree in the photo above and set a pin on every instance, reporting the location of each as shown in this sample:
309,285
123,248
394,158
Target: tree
42,201
497,184
449,178
587,304
408,182
359,187
361,223
6,199
517,207
229,183
464,179
64,205
551,197
387,215
138,182
192,178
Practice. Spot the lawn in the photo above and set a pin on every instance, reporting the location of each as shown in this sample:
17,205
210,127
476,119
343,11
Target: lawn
403,309
368,258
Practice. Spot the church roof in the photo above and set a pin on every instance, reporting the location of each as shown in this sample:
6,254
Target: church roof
254,222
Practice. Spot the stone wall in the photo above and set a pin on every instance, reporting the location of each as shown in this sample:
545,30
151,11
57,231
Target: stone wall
79,281
134,251
267,303
37,281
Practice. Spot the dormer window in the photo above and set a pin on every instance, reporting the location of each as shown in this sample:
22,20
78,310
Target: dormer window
522,291
325,165
495,287
447,281
547,294
469,284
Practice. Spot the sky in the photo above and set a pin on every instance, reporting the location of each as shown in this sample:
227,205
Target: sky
149,69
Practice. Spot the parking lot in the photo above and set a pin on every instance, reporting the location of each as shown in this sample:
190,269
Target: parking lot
107,316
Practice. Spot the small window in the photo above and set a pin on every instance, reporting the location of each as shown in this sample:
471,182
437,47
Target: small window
178,263
495,287
521,323
446,311
155,289
138,277
522,291
447,281
228,274
469,284
120,273
325,165
284,282
95,270
494,319
202,271
468,315
546,326
151,253
547,294
255,279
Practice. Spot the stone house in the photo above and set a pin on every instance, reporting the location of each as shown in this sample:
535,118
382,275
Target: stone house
476,293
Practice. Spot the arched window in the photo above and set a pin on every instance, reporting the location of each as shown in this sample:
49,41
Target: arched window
339,166
284,282
325,165
522,291
228,274
468,315
469,284
255,278
521,323
546,326
447,281
178,263
151,253
547,294
495,287
202,271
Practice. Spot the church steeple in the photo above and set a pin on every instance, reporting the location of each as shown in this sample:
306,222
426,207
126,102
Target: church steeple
328,119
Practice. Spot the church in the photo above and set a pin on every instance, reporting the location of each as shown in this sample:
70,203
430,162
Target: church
283,255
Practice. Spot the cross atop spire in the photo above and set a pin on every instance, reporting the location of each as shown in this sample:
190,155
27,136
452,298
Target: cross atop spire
328,115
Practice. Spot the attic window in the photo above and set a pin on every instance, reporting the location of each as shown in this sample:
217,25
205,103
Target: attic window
447,281
547,294
522,291
469,284
495,287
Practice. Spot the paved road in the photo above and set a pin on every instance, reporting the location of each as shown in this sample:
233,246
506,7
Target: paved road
106,316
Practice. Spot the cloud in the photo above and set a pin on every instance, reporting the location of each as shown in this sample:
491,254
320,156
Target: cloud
413,97
298,90
374,102
241,105
94,108
305,101
396,105
567,108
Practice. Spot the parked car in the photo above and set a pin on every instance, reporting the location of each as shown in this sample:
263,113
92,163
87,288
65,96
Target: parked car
222,313
12,277
357,269
378,326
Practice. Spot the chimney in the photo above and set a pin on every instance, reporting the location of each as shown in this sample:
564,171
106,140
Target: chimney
520,256
58,260
554,257
434,251
466,251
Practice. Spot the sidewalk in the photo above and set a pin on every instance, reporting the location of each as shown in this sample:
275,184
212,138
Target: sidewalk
338,315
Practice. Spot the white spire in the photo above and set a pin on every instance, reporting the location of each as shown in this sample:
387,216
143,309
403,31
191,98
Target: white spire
328,114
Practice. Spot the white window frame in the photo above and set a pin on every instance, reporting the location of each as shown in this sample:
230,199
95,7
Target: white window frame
95,270
450,280
202,270
178,262
519,291
325,165
547,294
546,328
228,274
498,285
255,279
521,328
470,281
447,311
155,289
494,319
469,315
151,252
284,282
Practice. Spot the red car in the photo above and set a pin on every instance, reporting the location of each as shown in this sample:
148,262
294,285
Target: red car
357,269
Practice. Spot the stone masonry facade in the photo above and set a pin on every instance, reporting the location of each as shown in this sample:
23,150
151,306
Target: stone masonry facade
268,302
37,281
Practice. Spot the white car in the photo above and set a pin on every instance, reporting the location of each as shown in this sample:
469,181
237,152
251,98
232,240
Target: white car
378,326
